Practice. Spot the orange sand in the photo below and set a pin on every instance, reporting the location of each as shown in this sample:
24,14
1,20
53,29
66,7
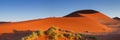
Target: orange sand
100,18
80,21
76,24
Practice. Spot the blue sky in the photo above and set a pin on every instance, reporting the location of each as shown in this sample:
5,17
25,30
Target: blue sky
19,10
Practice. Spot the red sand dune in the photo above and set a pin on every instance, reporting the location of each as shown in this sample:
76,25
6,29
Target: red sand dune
92,14
100,18
81,21
77,24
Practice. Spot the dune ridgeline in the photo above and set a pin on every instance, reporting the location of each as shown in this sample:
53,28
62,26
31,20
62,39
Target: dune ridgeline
78,25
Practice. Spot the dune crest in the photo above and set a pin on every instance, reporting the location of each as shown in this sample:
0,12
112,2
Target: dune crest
92,14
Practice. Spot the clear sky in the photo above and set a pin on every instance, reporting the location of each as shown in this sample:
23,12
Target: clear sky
19,10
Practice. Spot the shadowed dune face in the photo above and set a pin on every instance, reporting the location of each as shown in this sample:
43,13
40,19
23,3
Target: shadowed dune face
77,13
100,18
16,35
73,15
92,14
109,37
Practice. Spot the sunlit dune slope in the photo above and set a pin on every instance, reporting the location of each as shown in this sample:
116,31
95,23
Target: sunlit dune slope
100,18
76,24
92,14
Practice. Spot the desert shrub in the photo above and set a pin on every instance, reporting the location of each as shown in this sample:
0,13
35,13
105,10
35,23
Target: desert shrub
52,33
67,31
69,35
60,35
30,37
23,38
39,32
81,34
78,36
26,38
34,34
54,36
93,37
50,30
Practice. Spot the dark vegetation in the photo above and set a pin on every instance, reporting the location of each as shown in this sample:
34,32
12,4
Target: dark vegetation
77,13
17,35
54,33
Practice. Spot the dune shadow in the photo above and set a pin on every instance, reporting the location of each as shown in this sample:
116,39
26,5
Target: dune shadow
109,37
16,35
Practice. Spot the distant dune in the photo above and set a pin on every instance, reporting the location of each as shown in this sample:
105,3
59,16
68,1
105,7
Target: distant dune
116,18
4,22
92,14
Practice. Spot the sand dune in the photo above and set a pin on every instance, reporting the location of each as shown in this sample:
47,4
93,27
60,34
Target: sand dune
77,24
92,14
84,21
